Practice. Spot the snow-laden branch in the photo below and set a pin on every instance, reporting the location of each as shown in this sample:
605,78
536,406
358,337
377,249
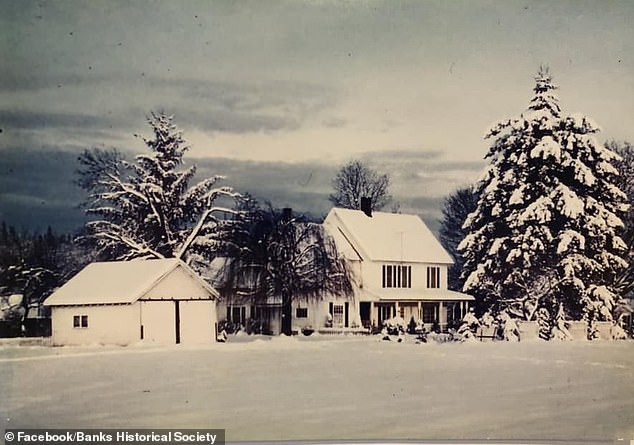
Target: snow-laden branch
112,232
199,225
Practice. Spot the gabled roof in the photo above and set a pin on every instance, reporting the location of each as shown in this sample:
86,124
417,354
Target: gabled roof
118,282
387,236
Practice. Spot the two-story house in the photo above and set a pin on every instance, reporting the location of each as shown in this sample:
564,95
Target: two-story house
399,269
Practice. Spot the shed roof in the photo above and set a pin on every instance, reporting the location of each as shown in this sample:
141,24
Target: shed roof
389,236
118,282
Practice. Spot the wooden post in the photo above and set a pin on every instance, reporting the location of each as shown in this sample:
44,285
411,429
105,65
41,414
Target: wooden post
177,319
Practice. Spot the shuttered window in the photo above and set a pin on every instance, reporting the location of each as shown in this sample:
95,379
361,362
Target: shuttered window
396,276
433,277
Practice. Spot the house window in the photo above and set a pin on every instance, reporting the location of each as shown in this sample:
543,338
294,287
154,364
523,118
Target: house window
429,313
396,276
453,313
433,277
80,321
259,312
301,312
337,315
237,314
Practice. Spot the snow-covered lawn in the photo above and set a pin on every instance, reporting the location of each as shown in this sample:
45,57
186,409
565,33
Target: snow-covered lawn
316,388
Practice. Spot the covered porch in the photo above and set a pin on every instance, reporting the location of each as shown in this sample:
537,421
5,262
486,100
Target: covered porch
440,309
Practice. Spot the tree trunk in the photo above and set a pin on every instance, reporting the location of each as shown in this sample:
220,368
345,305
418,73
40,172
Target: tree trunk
287,314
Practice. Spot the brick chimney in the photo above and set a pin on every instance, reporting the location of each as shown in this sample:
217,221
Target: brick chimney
287,214
366,205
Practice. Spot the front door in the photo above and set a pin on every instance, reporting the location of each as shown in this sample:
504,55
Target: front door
365,313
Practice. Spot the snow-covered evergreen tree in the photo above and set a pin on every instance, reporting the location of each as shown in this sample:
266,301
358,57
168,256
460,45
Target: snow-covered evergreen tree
545,231
625,166
147,209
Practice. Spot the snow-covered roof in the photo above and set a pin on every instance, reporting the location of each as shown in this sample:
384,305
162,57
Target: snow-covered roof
118,282
386,236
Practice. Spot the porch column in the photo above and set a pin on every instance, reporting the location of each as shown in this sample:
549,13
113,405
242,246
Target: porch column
442,315
372,314
397,314
420,313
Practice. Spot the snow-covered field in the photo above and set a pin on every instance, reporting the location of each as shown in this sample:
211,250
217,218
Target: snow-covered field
329,388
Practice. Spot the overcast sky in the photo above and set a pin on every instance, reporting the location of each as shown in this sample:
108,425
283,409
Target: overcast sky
286,91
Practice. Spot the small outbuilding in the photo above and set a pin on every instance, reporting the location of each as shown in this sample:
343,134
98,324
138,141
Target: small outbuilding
123,302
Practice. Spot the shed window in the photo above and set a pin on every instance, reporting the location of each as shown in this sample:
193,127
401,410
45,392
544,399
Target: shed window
80,321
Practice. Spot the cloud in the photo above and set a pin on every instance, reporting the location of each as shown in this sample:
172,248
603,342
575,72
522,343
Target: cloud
226,121
305,187
208,105
402,154
29,82
335,122
220,106
302,186
23,119
37,189
427,173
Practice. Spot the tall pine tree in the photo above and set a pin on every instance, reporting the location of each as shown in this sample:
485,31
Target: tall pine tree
147,209
545,231
625,166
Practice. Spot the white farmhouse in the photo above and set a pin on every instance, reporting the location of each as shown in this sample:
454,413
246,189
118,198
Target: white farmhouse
399,266
399,269
156,301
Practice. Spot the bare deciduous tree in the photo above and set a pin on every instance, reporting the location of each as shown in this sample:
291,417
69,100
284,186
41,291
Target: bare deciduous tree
456,208
355,180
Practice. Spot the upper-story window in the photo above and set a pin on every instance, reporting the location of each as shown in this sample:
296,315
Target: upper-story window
396,276
433,277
